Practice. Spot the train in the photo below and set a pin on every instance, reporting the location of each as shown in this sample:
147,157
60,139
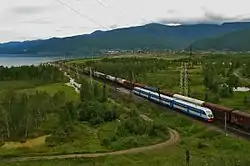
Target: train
231,116
185,107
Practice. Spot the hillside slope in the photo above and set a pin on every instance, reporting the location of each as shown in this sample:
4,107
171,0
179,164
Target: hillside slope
150,36
234,41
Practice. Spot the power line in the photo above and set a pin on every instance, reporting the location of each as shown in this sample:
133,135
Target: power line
100,3
105,6
81,14
122,15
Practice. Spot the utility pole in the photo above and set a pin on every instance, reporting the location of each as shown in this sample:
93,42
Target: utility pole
68,67
187,157
77,72
181,79
131,82
184,87
104,89
225,123
185,79
90,75
159,95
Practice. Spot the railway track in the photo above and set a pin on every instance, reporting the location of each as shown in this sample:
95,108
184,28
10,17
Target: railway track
219,126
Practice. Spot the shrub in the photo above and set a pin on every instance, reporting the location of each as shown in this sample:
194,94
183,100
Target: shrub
201,145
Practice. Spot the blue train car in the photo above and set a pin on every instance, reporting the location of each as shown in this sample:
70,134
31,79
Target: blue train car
183,106
154,89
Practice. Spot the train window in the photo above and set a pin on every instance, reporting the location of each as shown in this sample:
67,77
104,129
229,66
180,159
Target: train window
210,115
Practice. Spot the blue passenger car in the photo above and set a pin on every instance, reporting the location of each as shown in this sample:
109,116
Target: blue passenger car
183,106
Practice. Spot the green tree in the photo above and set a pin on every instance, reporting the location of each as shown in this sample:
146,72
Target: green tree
233,81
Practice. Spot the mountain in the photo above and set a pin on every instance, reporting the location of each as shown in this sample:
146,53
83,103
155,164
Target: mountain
234,41
150,36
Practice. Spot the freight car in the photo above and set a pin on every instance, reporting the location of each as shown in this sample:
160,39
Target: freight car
185,107
220,111
241,119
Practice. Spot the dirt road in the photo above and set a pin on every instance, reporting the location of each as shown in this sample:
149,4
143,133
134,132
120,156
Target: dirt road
174,138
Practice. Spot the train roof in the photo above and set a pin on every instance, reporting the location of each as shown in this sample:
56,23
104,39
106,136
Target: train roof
207,110
188,98
241,113
220,107
155,93
99,72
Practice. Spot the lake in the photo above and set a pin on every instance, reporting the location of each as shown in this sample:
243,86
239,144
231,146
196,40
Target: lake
20,61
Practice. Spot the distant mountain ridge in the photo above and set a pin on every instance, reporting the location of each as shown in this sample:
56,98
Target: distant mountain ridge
149,36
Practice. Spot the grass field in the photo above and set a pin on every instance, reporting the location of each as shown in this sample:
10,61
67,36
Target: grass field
206,147
30,143
54,88
86,142
15,85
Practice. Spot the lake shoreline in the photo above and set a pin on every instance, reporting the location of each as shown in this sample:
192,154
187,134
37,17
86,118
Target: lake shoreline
9,61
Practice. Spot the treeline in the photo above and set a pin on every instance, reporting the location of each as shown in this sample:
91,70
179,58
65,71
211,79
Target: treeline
22,114
125,67
44,73
246,69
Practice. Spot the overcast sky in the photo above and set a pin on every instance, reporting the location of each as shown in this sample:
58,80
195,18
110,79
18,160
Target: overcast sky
39,19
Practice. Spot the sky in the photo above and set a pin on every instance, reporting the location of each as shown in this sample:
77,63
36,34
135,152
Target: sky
41,19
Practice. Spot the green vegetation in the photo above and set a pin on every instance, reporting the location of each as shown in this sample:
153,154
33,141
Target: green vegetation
211,78
207,147
42,73
16,85
52,89
57,120
234,41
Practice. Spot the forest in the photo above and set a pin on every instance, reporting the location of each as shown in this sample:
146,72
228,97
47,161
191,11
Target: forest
45,73
21,114
30,114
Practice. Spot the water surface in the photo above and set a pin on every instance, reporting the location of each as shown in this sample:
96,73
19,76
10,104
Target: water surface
28,60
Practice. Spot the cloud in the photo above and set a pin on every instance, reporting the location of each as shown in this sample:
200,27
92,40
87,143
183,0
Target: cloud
113,26
33,19
38,21
213,17
171,11
27,10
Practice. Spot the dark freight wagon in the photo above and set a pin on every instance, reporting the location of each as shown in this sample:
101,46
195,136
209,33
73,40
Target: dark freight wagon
219,111
241,119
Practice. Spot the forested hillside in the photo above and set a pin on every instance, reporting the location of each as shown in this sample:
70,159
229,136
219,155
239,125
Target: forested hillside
150,36
235,41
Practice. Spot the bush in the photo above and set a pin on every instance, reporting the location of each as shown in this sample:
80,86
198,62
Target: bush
209,135
1,143
106,142
131,129
97,113
201,145
125,143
